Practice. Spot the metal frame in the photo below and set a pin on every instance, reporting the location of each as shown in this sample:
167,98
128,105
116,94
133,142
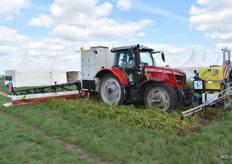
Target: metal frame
223,98
226,61
47,89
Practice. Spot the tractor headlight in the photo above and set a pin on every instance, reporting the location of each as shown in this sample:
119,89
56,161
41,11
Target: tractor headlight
180,78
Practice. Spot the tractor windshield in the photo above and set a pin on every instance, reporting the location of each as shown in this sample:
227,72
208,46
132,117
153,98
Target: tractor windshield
146,59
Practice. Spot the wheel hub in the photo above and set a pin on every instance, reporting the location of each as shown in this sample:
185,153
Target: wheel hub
111,91
158,99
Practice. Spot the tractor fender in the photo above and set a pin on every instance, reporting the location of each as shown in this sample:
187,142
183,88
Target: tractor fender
145,84
117,72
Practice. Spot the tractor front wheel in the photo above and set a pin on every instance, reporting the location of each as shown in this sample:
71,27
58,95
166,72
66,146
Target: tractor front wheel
162,96
110,89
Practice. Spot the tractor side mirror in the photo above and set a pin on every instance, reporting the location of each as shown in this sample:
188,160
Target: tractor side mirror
163,56
130,53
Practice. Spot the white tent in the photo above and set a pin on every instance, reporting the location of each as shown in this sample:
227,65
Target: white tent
193,63
206,60
219,60
27,73
60,73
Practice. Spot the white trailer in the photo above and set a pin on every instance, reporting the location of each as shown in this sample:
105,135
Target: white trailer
92,61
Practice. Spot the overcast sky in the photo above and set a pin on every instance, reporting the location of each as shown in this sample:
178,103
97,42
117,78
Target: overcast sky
46,28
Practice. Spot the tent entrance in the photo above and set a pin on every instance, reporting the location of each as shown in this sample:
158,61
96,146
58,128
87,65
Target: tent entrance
72,76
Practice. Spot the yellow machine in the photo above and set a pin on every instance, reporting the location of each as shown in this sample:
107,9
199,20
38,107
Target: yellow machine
213,78
214,84
210,81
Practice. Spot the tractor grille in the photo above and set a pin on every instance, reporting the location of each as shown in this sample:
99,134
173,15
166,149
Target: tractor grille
181,79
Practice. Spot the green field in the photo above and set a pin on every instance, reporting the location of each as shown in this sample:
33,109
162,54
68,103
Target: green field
88,131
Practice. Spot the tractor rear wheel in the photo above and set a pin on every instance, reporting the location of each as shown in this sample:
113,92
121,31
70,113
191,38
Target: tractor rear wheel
162,96
110,89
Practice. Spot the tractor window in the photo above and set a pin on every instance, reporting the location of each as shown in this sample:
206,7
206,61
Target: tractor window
146,59
124,60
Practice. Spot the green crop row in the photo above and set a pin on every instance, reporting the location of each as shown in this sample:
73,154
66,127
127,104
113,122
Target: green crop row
127,114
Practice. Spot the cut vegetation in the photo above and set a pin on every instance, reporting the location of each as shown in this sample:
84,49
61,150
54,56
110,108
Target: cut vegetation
131,115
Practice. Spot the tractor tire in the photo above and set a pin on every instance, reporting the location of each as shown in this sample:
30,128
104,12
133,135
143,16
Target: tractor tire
188,97
110,90
162,96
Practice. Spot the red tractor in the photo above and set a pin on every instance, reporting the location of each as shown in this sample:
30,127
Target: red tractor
134,77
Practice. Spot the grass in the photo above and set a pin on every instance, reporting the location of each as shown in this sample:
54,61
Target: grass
118,141
21,145
125,144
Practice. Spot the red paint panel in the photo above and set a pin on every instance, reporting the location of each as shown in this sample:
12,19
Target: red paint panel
117,72
42,99
169,78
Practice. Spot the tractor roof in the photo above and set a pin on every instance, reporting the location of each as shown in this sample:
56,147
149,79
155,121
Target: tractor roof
132,46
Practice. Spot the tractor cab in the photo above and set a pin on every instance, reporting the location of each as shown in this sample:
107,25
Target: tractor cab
134,56
132,59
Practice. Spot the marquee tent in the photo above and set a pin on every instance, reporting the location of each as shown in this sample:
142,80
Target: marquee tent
60,73
206,60
193,63
27,73
219,60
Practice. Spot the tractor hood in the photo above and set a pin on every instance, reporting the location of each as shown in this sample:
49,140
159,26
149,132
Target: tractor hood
164,69
175,76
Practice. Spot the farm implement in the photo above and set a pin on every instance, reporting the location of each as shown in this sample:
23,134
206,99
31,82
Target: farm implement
46,89
223,101
41,94
214,84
